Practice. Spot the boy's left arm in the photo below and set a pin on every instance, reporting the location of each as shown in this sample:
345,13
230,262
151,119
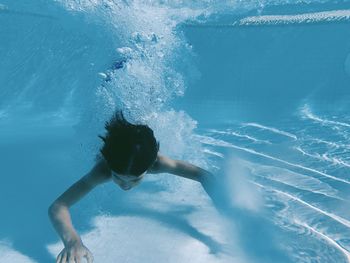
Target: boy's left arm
184,169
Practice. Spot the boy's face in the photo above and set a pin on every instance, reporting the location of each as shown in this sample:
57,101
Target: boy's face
126,182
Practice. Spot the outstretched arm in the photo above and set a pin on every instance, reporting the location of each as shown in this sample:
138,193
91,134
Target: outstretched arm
60,216
184,169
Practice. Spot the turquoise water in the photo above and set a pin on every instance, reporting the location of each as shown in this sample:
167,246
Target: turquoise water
257,92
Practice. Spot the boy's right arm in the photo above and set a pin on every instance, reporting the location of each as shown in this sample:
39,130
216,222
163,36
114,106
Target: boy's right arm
60,216
184,169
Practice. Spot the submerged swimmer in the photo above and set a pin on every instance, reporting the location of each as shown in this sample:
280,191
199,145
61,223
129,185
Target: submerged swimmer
128,153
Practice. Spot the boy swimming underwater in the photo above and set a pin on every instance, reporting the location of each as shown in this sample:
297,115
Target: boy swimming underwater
129,152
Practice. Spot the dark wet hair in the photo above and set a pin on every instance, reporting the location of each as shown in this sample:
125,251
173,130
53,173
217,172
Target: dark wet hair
128,148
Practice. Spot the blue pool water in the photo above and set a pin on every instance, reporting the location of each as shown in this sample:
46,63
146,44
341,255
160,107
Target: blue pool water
257,92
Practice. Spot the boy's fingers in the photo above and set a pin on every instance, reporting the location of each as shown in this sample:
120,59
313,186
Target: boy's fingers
64,258
58,260
71,259
89,257
78,259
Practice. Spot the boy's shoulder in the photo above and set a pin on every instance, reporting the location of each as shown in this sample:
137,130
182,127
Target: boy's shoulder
99,173
162,164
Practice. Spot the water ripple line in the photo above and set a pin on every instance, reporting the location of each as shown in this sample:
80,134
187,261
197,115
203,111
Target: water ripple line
236,134
331,144
308,114
324,157
337,218
304,18
303,188
327,238
216,142
272,129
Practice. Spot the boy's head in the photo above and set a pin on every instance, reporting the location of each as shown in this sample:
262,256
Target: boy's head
128,148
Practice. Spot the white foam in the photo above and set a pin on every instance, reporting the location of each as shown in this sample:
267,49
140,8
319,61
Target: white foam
80,5
10,255
149,44
243,194
132,239
304,18
175,131
271,129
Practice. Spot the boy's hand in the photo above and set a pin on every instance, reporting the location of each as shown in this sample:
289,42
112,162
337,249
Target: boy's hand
74,254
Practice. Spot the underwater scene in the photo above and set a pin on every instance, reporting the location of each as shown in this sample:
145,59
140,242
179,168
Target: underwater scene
256,92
